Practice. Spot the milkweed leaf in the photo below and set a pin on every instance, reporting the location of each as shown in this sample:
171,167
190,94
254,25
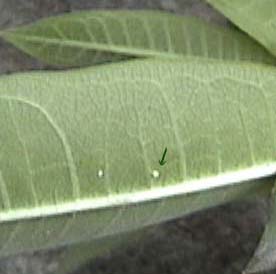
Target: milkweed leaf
78,255
80,149
257,18
264,258
86,38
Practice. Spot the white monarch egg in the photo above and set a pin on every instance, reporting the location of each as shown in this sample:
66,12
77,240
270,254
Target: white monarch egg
155,174
100,173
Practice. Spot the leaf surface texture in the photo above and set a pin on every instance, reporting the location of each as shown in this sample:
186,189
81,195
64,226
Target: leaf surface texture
79,149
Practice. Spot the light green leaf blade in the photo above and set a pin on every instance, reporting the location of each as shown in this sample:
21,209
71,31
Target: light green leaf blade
85,38
257,18
80,150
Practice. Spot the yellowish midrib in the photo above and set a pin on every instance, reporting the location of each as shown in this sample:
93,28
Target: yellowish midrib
95,46
139,197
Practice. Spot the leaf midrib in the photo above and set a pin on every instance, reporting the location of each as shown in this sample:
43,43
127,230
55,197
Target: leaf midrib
158,193
96,46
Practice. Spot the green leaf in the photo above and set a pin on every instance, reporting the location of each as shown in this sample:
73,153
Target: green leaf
75,256
264,258
84,38
257,18
80,150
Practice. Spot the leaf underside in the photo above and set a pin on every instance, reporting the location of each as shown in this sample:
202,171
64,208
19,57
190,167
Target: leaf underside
257,18
93,37
86,144
96,37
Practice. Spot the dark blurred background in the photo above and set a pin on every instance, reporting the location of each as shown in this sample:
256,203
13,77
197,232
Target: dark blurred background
214,241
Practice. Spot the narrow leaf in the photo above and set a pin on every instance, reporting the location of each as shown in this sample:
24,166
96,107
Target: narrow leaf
93,37
257,18
80,149
264,258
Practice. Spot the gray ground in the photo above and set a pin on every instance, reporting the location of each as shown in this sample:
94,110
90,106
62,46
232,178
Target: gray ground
215,241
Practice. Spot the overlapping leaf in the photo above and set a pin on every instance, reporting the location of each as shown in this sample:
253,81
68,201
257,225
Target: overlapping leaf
99,36
257,18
